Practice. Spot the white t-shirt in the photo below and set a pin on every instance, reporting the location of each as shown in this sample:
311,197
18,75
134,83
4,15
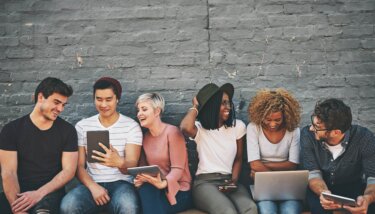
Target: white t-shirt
217,148
336,150
125,130
260,148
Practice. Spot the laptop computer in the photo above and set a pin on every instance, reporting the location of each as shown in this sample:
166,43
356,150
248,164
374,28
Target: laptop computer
280,185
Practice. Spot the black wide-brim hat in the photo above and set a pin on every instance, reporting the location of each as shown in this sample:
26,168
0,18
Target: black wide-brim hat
210,89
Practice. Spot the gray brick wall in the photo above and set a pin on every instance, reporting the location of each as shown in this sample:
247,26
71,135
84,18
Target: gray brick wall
317,49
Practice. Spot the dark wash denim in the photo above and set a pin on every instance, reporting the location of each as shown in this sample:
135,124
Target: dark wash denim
154,201
123,196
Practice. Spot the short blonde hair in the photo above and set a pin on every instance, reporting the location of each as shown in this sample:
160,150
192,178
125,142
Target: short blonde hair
269,101
157,101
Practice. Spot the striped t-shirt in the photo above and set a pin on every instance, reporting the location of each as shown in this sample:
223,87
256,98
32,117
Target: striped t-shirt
124,131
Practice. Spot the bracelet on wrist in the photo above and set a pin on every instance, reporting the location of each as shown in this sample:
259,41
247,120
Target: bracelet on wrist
195,109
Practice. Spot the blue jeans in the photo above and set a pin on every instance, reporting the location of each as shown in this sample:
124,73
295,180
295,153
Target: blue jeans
282,207
154,201
123,196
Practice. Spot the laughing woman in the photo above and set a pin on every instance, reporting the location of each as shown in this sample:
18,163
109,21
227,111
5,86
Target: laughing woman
219,137
163,145
273,140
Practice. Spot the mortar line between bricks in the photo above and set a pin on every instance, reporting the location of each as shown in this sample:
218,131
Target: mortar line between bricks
208,31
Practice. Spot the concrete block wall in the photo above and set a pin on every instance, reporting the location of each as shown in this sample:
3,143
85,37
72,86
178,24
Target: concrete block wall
314,48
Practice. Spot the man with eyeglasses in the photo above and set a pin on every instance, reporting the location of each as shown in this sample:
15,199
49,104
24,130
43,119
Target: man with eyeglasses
340,157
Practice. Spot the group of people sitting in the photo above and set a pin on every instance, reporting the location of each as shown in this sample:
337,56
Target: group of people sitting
40,153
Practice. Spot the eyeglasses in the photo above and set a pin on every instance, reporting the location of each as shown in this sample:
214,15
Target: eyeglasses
314,126
226,103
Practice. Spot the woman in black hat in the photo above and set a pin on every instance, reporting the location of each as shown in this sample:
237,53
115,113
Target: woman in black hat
219,137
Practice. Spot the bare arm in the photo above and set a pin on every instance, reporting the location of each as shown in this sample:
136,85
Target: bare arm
281,166
187,125
318,185
370,193
238,160
26,200
364,201
82,174
8,161
258,166
132,155
99,194
69,166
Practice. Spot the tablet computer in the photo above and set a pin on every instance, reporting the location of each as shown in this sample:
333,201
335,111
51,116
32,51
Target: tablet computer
150,170
93,140
339,199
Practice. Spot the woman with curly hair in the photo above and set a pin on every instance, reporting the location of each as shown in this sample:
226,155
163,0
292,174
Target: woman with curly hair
273,140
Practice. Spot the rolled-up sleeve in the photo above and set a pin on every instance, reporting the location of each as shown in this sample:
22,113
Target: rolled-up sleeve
308,157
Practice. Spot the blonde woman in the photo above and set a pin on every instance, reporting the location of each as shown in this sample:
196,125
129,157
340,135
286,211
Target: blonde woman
163,145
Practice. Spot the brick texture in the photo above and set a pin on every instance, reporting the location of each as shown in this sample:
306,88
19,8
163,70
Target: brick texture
316,49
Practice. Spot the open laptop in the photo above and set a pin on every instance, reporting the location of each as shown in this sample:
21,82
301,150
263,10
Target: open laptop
280,185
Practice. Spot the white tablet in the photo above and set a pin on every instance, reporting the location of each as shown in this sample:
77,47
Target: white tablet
340,199
150,170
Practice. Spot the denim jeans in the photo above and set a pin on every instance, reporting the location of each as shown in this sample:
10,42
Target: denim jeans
352,190
282,207
154,201
48,204
123,196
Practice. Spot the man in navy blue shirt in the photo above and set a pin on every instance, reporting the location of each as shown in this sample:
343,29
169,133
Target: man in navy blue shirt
340,157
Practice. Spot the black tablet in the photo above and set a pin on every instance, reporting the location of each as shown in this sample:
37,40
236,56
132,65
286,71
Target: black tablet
339,199
150,170
93,140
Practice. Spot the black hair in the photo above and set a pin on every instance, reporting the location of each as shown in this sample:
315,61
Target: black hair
334,114
103,84
209,115
51,85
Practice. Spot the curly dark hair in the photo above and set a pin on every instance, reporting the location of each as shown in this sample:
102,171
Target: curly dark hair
269,101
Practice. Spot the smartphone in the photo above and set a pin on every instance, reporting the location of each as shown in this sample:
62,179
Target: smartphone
339,199
228,187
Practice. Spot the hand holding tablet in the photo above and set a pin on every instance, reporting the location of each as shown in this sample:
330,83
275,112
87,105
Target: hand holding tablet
93,140
152,170
340,199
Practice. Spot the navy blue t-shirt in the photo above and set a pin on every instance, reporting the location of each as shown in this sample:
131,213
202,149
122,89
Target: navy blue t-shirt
39,152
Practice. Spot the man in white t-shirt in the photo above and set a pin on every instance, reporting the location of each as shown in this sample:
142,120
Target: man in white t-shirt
106,184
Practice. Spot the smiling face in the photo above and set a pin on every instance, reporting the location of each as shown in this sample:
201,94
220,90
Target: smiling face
225,108
51,107
319,129
273,121
147,114
106,102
